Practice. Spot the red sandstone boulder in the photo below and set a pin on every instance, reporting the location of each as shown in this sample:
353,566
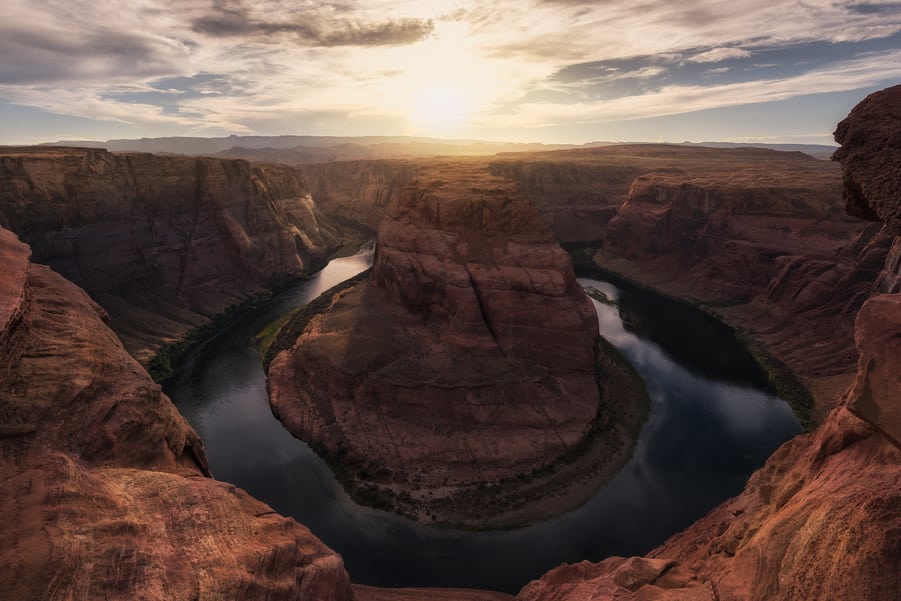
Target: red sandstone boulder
871,145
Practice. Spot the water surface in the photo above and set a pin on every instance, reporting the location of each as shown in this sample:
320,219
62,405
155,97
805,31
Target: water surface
711,424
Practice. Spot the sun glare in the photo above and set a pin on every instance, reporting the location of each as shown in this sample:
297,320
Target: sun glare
441,110
445,82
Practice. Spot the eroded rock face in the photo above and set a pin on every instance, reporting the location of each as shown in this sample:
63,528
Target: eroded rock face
766,243
162,242
760,235
469,359
360,191
871,146
822,518
103,485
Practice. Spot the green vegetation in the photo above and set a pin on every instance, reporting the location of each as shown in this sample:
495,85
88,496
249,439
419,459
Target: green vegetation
784,382
162,364
282,333
267,335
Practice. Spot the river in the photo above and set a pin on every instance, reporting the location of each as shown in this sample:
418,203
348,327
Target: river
711,423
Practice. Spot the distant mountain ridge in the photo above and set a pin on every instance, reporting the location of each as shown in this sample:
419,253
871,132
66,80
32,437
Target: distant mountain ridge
313,149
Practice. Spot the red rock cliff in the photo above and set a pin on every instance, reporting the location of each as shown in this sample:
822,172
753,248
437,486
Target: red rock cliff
469,359
103,485
162,242
822,519
762,238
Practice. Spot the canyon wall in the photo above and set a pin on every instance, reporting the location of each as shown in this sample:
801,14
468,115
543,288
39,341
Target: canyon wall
104,488
467,364
359,192
762,239
759,236
822,519
162,242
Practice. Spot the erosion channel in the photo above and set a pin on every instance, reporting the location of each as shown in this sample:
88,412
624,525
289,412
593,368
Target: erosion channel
712,422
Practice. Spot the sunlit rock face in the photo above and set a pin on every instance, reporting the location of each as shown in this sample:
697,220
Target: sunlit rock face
161,242
822,519
468,359
104,488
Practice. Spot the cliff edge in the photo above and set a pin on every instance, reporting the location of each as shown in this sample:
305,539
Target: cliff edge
104,488
463,381
822,519
163,243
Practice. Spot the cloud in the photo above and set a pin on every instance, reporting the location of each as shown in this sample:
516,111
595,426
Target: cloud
716,55
237,65
310,28
675,99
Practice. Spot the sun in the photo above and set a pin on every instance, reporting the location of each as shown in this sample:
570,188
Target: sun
441,110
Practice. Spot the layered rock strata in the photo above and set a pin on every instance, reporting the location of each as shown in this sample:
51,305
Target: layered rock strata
161,242
822,519
104,488
462,378
360,191
759,236
767,246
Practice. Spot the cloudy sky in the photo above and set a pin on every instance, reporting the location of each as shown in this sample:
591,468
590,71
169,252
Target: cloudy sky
521,70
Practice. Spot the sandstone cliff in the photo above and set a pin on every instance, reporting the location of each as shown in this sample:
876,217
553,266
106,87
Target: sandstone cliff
822,519
463,377
759,235
161,242
103,486
761,238
359,191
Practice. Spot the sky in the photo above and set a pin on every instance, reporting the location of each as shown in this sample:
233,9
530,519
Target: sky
555,71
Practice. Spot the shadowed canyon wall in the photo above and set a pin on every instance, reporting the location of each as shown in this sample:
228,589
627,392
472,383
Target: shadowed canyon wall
104,488
822,519
760,237
466,365
161,242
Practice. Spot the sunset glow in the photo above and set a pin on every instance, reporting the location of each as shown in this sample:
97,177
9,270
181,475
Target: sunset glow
521,70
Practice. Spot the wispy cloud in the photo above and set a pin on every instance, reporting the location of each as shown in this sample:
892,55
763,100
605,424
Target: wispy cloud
718,55
305,66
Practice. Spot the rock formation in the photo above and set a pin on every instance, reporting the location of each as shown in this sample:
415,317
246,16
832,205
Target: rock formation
359,191
466,367
161,242
822,519
760,236
104,489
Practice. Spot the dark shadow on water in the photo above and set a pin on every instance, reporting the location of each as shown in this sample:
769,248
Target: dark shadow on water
703,438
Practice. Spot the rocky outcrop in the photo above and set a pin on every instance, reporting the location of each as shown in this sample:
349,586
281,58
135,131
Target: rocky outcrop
870,148
758,235
359,192
822,519
870,155
463,376
577,193
761,238
161,242
103,485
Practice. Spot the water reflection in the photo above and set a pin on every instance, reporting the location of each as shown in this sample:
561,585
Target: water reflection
702,439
